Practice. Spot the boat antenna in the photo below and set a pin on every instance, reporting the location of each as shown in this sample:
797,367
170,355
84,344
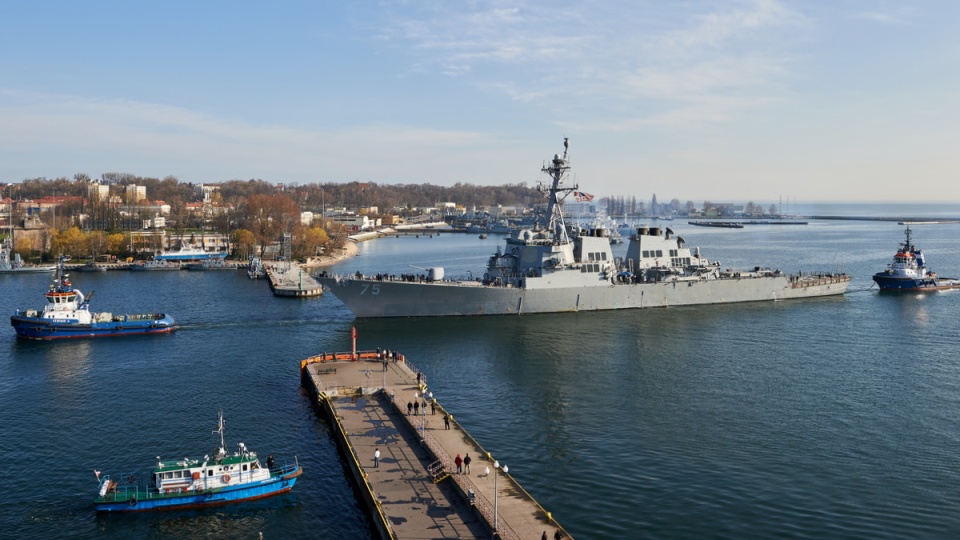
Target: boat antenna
223,447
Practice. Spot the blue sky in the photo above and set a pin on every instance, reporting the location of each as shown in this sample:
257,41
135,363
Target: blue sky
842,100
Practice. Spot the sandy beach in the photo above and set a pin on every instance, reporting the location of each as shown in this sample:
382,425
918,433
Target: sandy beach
349,250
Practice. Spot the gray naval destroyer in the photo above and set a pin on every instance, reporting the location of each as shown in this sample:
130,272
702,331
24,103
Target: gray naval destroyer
560,268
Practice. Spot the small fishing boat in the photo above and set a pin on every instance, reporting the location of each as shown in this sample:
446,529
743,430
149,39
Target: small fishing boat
908,272
222,479
67,315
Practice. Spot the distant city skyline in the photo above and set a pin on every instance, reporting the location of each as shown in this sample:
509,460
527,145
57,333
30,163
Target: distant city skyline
747,100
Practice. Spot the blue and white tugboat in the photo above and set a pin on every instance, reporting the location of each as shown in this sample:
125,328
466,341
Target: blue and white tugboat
67,315
908,272
192,483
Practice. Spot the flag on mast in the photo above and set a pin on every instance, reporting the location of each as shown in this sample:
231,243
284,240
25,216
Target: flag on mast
580,196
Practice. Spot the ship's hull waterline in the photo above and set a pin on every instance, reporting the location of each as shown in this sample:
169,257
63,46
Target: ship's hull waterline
375,298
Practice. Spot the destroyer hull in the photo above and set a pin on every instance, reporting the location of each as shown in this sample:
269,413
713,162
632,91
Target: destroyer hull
373,298
44,329
194,499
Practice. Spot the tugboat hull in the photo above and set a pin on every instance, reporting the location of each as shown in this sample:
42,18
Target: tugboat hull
45,329
197,499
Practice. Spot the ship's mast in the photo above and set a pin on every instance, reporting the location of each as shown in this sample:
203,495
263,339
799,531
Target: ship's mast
219,431
557,170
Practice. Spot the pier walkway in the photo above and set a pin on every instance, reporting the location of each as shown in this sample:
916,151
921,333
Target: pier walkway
416,492
288,279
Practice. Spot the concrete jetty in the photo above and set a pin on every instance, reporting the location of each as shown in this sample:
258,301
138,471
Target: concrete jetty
292,280
415,490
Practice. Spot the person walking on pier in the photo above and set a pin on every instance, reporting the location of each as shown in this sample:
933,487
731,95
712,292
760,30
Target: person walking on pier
376,459
446,421
466,464
459,463
416,408
433,407
409,408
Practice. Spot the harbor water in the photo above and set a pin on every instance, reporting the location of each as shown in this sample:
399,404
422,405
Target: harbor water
824,418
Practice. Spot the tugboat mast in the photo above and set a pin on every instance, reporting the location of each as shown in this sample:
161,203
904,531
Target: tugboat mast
557,170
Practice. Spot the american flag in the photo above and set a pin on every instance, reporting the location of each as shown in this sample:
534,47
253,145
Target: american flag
580,196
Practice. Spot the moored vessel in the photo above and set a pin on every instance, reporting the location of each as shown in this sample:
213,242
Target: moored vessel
255,268
10,262
211,264
186,253
556,268
67,315
224,478
909,273
155,265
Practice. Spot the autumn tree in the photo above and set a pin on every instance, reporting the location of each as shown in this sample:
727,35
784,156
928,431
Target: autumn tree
116,242
244,241
308,240
69,242
97,243
268,216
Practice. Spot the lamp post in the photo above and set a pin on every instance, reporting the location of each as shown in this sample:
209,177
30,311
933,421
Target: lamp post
416,399
423,420
496,500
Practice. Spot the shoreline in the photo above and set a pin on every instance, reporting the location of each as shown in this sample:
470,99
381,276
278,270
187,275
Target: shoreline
349,250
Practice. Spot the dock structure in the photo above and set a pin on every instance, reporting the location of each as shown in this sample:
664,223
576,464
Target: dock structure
292,280
415,490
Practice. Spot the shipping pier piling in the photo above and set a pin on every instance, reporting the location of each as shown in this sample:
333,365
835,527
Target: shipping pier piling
415,490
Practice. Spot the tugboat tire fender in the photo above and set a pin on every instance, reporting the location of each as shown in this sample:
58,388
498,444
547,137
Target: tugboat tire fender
132,502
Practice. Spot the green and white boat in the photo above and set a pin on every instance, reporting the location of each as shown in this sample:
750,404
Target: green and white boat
222,479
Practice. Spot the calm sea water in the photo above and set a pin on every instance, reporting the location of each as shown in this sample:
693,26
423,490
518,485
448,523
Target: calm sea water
827,418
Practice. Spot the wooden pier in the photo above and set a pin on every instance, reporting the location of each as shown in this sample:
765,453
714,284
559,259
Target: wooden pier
415,491
292,280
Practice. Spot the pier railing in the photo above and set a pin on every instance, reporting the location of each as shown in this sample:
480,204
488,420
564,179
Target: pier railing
480,502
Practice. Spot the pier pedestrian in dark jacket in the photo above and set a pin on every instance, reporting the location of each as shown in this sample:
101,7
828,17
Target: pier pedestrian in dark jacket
409,408
446,421
416,407
466,464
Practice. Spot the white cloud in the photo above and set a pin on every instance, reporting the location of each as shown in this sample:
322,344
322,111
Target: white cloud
599,61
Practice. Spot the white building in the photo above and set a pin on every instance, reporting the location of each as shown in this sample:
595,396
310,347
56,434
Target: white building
134,193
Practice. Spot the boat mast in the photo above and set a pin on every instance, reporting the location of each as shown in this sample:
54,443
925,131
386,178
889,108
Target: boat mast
557,170
219,431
